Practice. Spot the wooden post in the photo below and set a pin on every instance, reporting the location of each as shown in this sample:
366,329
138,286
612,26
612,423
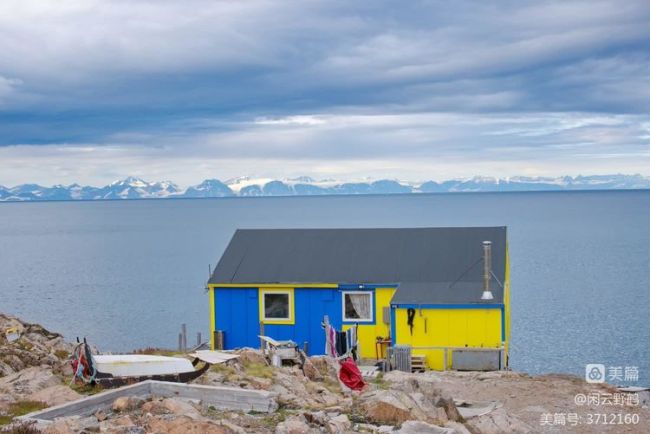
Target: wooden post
184,333
262,334
217,337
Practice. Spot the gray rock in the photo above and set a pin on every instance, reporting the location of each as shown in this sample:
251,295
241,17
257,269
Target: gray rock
419,427
126,403
498,421
294,425
339,424
396,406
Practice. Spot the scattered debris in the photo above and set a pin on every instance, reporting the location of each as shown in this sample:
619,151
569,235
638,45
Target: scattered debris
310,399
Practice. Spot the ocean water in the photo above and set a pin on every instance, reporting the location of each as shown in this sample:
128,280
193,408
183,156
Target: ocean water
126,274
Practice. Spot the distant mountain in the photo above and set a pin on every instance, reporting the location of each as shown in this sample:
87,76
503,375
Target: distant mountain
209,188
136,188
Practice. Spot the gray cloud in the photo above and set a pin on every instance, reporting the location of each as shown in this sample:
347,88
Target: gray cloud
412,88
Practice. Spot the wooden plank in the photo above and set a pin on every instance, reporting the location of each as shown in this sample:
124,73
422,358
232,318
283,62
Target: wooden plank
214,357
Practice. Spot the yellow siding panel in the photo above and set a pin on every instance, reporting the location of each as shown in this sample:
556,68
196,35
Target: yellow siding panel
448,328
506,302
368,333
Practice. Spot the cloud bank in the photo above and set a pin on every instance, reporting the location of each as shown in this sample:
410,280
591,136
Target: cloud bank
94,90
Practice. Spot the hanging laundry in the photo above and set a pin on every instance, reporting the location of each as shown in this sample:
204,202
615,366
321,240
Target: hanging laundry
330,341
410,317
341,343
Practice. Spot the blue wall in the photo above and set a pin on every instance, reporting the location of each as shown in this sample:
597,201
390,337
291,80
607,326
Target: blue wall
237,314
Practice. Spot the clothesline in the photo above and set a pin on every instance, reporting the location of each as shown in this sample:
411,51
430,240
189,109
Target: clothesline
341,344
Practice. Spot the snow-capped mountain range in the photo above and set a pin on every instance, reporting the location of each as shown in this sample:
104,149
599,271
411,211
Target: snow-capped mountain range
136,188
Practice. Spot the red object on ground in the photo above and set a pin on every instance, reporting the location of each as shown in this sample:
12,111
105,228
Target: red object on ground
350,375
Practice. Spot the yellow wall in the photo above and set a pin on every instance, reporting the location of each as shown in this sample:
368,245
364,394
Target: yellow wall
448,328
368,333
506,302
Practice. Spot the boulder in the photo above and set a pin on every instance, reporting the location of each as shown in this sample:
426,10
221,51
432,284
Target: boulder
24,383
419,427
232,427
374,429
326,366
498,421
123,421
55,395
251,356
63,426
184,425
339,424
126,403
311,372
35,346
426,386
292,391
171,406
458,428
385,407
395,406
181,408
294,425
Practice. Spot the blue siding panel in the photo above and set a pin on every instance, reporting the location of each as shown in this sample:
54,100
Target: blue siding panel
237,312
314,305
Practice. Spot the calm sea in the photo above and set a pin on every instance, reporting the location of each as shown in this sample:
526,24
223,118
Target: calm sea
126,274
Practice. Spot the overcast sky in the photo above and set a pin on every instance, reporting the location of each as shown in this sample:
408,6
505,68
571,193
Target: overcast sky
94,90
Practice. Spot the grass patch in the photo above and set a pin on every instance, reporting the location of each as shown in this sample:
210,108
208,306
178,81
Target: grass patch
150,351
271,421
229,373
331,384
222,368
86,389
380,382
62,354
24,345
21,408
23,428
258,370
214,413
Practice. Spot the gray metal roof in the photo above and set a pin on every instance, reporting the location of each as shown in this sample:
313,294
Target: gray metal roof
424,261
463,292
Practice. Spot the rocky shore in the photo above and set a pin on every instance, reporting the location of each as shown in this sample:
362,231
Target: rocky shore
35,373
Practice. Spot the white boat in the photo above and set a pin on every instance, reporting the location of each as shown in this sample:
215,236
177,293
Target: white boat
120,369
134,365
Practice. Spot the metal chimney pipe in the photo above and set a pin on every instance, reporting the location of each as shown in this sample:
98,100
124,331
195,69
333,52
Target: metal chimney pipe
487,270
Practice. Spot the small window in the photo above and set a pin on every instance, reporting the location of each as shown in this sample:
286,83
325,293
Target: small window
276,306
357,306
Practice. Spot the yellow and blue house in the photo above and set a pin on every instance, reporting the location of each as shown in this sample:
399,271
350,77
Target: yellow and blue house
422,287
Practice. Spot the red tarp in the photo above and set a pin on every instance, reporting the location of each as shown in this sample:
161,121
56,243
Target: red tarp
350,375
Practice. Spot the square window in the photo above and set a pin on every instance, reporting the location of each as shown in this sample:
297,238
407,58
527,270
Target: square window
357,306
276,306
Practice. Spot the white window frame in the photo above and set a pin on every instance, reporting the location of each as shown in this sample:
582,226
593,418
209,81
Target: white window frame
289,317
360,320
